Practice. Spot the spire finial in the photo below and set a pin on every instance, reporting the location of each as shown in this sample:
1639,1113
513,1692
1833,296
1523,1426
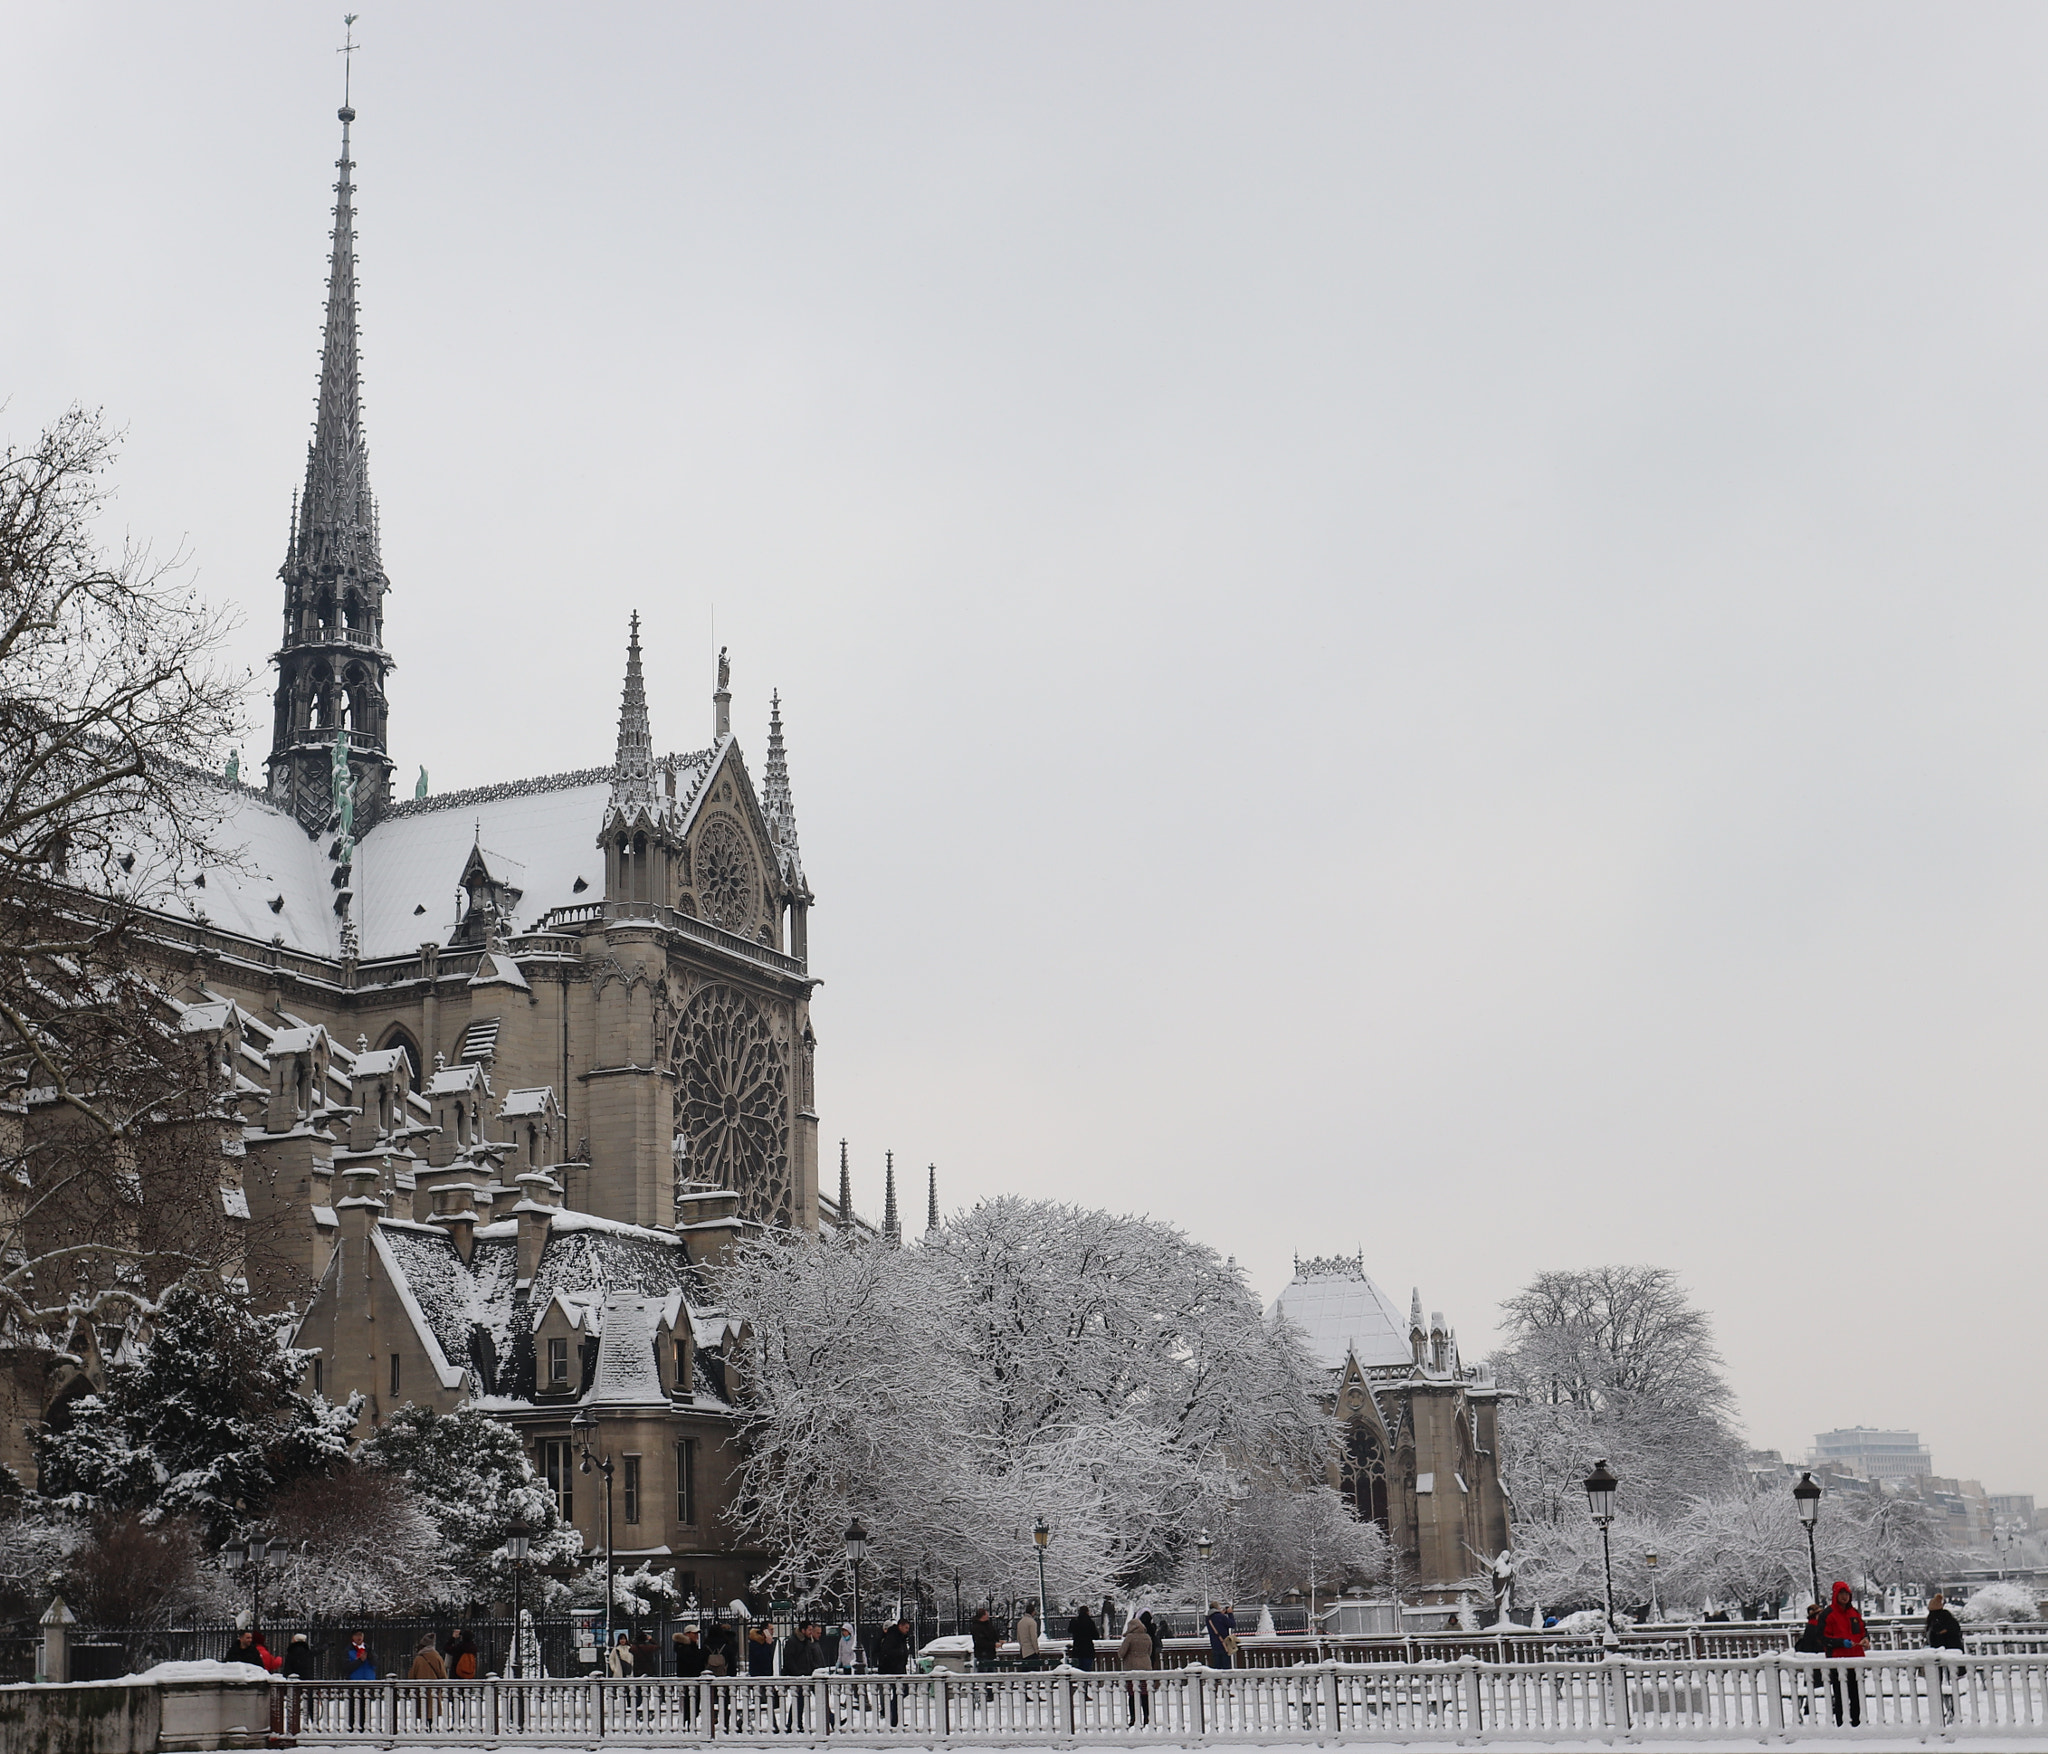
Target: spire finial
633,764
347,52
721,699
892,1225
931,1215
776,803
845,1187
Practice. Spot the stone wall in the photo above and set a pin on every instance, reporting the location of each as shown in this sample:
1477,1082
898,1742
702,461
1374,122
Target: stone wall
135,1716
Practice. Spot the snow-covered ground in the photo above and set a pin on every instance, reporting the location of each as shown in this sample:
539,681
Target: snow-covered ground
1992,1744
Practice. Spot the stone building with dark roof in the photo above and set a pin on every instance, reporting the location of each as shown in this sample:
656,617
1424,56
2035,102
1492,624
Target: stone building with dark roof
1421,1436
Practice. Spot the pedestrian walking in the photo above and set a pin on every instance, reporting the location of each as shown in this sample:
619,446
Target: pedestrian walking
690,1655
618,1661
892,1656
1842,1628
1157,1634
1027,1640
462,1661
247,1649
760,1651
1811,1643
802,1657
1082,1633
986,1636
426,1666
1222,1627
847,1652
1134,1656
1945,1632
298,1659
358,1665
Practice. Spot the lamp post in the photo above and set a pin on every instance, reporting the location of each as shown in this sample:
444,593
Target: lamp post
1041,1534
1204,1546
518,1543
856,1550
1600,1485
1806,1495
584,1428
1656,1609
252,1556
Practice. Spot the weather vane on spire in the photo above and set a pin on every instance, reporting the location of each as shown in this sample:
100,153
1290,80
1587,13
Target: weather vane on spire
347,51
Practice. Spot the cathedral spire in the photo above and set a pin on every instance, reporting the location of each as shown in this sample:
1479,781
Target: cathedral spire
892,1225
337,515
332,665
633,766
845,1187
931,1214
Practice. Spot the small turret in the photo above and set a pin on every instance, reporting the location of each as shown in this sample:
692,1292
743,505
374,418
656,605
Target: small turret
892,1225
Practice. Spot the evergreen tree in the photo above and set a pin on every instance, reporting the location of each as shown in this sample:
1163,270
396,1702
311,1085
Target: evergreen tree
207,1423
470,1475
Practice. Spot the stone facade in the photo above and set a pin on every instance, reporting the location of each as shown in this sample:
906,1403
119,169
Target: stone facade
1420,1428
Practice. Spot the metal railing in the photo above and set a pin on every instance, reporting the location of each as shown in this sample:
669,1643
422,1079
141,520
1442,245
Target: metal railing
1769,1698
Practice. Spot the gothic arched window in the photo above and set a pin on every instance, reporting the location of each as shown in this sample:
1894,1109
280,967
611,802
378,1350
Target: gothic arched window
1365,1474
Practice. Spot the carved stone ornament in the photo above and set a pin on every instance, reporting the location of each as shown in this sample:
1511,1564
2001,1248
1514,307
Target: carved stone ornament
728,880
732,1101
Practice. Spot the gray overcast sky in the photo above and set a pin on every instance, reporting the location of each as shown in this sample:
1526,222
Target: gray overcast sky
1414,629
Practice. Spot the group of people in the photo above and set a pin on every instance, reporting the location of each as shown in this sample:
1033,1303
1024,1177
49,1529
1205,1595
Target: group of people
1838,1631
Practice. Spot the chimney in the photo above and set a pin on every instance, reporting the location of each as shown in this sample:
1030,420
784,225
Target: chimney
360,1207
540,1199
455,1211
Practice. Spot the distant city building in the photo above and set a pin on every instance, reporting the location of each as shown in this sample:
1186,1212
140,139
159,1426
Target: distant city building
1873,1454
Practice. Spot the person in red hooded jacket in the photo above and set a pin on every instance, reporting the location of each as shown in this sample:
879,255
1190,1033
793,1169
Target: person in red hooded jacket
1846,1636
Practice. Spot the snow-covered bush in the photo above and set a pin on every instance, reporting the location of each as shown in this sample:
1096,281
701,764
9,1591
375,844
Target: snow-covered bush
369,1546
1995,1603
639,1594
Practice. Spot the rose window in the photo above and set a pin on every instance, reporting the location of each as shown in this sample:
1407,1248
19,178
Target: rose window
728,886
732,1102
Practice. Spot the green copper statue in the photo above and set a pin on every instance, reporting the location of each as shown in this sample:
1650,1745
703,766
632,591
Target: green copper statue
420,789
344,796
234,767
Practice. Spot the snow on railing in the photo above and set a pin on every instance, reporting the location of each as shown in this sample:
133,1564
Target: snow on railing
1774,1697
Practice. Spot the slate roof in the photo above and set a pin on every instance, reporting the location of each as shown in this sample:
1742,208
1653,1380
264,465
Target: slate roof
621,1279
1344,1312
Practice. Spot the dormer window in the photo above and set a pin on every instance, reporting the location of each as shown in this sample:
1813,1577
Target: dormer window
558,1364
682,1365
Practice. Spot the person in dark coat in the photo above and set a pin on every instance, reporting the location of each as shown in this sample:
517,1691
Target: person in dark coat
802,1657
1810,1643
462,1656
298,1666
1845,1635
1157,1634
245,1649
1222,1625
986,1635
892,1655
690,1655
1945,1632
760,1650
1082,1633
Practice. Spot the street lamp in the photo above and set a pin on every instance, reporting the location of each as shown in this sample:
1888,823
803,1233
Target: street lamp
1806,1495
1041,1534
1204,1546
518,1543
1656,1611
1600,1485
856,1550
252,1556
584,1429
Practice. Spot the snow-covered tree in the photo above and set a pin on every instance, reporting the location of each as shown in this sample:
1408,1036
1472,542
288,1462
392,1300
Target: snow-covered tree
1032,1360
359,1543
1613,1363
124,1569
207,1423
1285,1536
470,1476
639,1594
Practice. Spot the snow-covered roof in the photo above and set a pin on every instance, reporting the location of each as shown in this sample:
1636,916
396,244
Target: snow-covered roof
1343,1312
378,1062
619,1280
533,1100
627,1370
541,836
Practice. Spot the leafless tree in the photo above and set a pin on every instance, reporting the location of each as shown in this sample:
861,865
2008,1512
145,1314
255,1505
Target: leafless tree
112,693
